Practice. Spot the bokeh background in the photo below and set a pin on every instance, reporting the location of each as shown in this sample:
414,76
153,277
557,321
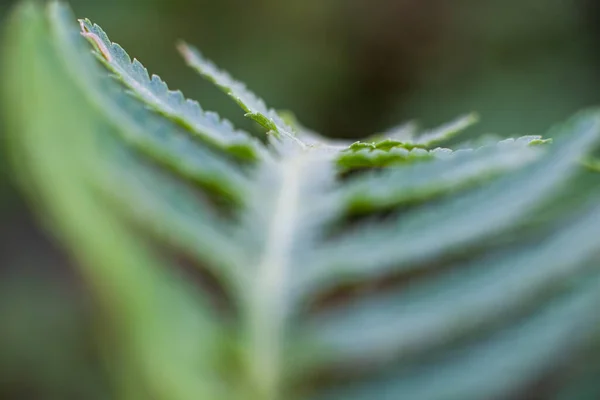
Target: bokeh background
347,68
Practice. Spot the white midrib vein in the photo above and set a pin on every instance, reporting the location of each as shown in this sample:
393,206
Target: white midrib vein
268,301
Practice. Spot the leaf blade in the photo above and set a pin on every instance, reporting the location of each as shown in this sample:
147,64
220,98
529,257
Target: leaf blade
154,92
254,106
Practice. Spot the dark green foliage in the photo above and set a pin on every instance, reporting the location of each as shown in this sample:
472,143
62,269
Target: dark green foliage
301,267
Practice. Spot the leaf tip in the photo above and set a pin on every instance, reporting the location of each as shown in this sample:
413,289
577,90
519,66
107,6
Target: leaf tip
185,50
100,45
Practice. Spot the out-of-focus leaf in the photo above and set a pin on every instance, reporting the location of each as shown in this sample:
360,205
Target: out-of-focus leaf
229,269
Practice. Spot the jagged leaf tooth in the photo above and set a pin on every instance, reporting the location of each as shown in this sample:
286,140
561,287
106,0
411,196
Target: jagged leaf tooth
164,141
366,155
390,152
406,135
448,328
446,172
254,106
459,221
153,91
168,332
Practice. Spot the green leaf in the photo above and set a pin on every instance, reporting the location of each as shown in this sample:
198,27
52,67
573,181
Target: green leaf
406,136
155,93
404,133
389,152
367,155
163,142
155,316
446,132
446,172
458,221
479,294
229,269
254,107
161,139
497,366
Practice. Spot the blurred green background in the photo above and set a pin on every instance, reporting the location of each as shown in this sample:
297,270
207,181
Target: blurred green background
347,68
